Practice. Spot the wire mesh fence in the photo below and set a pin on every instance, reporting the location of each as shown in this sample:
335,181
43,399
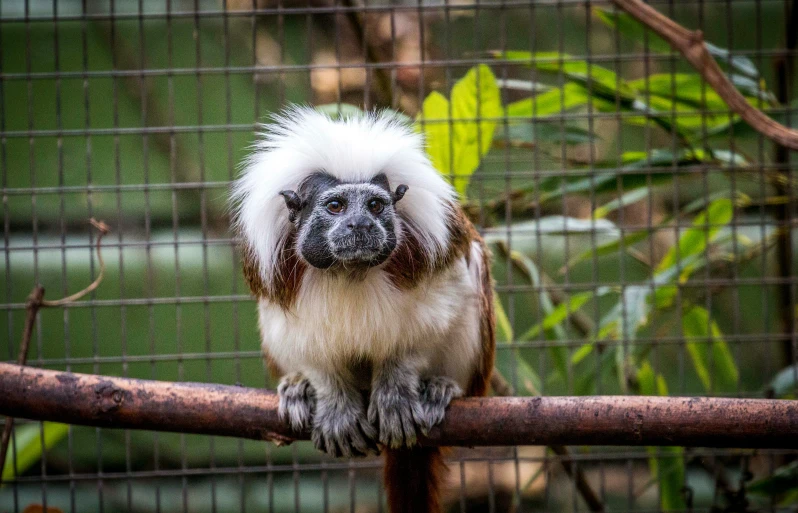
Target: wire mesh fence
642,234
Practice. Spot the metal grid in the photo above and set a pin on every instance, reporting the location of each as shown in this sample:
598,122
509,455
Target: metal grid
138,112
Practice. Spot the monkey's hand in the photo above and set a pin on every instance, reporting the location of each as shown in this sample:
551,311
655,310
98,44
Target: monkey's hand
436,394
297,401
340,427
395,406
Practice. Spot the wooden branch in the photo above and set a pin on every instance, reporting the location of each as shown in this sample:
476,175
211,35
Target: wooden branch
691,45
252,413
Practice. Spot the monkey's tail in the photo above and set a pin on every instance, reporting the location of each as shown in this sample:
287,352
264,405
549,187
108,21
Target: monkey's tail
413,478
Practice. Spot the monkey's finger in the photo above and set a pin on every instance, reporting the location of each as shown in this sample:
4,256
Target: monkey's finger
408,428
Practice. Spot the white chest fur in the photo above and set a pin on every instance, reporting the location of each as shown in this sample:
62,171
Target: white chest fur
336,320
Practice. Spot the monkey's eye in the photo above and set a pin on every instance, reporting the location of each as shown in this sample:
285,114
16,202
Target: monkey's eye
335,206
375,206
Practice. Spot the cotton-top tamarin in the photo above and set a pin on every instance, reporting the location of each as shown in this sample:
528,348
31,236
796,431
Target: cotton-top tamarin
374,290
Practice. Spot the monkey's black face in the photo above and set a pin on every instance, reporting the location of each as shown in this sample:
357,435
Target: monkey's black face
344,226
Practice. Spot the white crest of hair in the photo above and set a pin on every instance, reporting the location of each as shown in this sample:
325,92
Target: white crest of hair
303,141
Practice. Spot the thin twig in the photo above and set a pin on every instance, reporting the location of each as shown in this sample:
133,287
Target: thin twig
35,302
104,229
691,45
32,306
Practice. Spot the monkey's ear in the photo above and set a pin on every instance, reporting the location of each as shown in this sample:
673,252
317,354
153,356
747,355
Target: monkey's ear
400,193
293,202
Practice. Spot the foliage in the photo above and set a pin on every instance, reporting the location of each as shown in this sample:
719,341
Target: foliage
679,104
30,441
459,130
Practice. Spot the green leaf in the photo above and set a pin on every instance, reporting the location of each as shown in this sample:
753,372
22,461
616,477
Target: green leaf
633,237
704,340
703,231
435,122
511,362
549,104
629,314
559,354
785,383
690,88
504,330
597,79
530,133
665,463
476,107
28,442
582,353
624,200
783,480
559,314
456,144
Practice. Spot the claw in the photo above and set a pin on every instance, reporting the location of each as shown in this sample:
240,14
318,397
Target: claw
436,394
297,401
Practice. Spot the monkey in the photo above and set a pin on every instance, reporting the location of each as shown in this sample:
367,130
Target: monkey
374,292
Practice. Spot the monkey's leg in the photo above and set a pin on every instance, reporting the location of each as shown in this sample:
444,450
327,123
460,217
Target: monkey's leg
395,406
340,427
436,394
297,401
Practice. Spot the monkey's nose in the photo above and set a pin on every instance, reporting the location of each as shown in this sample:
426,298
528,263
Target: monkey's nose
360,224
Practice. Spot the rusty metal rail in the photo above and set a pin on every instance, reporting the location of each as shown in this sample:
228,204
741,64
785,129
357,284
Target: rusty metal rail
252,413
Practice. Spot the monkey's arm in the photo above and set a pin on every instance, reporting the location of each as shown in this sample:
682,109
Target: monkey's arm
340,427
401,401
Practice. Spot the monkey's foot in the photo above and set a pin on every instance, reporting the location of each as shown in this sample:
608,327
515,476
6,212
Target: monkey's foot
436,394
395,409
340,428
297,401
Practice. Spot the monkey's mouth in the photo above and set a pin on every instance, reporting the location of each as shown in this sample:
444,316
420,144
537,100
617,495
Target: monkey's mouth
360,250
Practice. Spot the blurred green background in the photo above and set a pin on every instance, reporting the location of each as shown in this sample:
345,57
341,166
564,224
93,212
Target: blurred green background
138,113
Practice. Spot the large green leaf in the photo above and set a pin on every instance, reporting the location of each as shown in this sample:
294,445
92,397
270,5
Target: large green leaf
597,79
709,353
553,103
691,88
460,131
434,120
29,446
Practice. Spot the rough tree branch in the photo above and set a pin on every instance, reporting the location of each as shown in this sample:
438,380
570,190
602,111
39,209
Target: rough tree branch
252,413
691,45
